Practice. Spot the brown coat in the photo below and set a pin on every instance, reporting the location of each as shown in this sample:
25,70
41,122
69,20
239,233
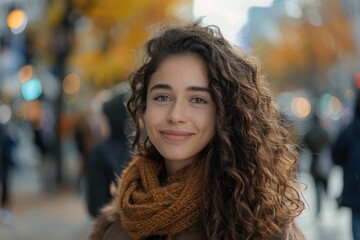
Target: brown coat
105,229
108,227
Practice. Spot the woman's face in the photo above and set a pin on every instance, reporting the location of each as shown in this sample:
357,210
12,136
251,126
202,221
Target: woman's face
180,113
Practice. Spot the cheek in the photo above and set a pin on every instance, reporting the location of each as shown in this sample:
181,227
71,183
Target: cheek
211,118
208,123
150,119
212,126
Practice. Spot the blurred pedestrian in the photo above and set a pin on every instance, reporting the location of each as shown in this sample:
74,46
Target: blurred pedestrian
6,162
212,158
346,153
85,139
109,156
41,120
317,140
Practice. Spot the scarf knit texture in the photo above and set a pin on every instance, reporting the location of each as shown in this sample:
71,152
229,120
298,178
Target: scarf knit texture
148,207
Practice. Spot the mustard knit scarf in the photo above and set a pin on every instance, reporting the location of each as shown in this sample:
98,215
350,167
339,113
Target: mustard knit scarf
148,208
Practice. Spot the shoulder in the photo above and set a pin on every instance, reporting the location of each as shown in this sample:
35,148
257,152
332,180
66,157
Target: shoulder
104,229
115,231
195,233
293,232
108,226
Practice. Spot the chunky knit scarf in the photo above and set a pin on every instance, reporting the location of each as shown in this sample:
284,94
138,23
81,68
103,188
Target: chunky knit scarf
149,207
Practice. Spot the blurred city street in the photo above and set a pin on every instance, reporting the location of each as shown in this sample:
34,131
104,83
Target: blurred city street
44,216
60,61
332,223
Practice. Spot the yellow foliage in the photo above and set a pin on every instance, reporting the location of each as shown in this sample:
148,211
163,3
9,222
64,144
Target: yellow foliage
122,28
55,12
307,48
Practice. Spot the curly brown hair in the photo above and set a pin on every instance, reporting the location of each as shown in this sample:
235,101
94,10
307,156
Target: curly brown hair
250,191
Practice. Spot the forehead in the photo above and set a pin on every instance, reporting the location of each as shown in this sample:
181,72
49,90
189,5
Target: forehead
185,69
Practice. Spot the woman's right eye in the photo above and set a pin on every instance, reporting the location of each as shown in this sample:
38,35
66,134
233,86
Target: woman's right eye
162,98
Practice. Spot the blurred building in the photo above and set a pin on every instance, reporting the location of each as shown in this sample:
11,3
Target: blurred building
263,23
353,8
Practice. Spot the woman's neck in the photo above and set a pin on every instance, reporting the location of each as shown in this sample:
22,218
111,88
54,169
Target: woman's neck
173,166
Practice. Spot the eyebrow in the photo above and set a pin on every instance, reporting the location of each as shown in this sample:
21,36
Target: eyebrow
161,86
168,87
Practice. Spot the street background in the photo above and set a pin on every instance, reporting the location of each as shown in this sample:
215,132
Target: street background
60,60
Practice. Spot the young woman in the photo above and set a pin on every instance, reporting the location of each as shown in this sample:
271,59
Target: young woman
212,158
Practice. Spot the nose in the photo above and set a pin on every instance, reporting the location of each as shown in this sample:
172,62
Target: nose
177,113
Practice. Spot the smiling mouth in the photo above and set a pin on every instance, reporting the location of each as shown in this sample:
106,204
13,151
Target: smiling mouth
176,136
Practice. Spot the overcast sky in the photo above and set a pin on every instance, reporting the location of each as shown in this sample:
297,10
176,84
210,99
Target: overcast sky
229,15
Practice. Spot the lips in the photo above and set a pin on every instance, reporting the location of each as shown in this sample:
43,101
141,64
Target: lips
175,136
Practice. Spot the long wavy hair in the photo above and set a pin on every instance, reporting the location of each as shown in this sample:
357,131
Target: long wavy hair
250,191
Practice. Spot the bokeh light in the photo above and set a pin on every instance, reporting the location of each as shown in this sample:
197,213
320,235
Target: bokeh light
349,93
17,21
330,106
335,107
5,113
301,107
25,73
31,89
71,84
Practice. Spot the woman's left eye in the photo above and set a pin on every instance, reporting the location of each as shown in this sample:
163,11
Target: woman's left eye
198,101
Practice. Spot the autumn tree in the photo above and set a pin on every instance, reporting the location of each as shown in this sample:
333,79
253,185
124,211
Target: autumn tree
309,47
106,48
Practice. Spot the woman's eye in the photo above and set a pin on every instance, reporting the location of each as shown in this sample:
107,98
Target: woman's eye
198,101
162,98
